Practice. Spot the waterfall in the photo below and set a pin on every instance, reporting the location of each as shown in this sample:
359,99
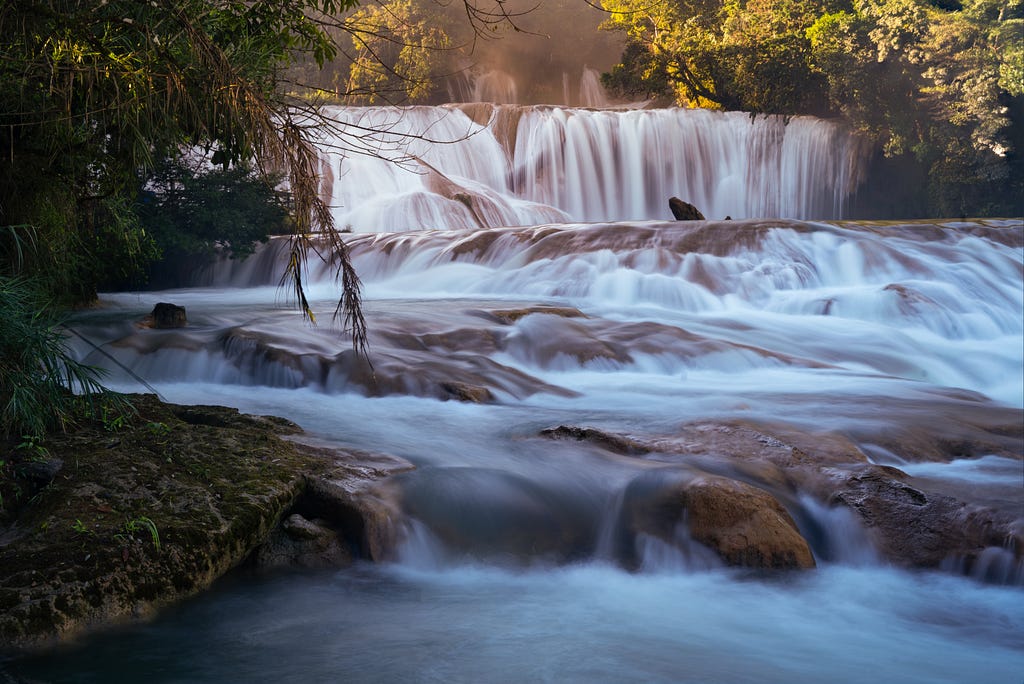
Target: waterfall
592,93
479,166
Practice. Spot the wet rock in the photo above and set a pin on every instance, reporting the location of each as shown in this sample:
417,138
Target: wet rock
468,393
464,376
971,528
349,501
304,543
606,440
500,516
510,316
684,211
919,528
747,526
166,316
744,525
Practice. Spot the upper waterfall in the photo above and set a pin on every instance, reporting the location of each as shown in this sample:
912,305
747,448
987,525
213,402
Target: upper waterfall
484,165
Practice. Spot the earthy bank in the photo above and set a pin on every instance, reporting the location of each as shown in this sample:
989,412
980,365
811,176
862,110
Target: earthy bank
131,512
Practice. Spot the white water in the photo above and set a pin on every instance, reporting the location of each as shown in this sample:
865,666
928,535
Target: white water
868,331
520,166
897,337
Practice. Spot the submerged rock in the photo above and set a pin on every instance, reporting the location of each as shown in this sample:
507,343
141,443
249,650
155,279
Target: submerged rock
499,516
745,489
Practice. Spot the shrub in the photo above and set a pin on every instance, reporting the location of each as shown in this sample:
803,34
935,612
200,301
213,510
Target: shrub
41,386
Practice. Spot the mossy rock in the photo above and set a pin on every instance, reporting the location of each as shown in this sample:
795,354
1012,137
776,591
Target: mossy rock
143,512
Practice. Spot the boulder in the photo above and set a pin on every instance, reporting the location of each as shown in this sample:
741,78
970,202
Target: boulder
747,526
684,211
166,316
921,528
744,525
500,516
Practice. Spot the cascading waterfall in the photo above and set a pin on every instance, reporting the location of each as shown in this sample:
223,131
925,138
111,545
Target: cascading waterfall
483,166
563,379
590,372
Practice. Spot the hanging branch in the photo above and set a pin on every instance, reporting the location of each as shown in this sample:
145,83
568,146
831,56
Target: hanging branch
279,142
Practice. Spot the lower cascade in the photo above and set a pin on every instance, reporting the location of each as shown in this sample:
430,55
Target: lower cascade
614,430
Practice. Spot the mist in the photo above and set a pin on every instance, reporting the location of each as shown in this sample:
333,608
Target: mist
545,54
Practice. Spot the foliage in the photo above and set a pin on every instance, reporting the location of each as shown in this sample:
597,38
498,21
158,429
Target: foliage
396,52
189,214
143,523
93,96
37,374
941,81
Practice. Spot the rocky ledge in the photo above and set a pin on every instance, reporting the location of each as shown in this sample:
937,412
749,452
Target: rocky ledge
746,491
122,516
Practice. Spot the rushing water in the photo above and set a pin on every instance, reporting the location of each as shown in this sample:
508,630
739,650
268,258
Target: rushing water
483,166
901,339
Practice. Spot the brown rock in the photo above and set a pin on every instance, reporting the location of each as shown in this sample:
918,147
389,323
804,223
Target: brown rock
915,527
461,391
304,543
744,525
165,316
684,211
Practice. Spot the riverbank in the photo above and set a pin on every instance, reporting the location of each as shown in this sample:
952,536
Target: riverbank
124,515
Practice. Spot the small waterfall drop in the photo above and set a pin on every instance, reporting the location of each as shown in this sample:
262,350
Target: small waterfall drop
592,93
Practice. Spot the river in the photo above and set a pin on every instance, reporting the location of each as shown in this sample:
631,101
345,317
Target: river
551,288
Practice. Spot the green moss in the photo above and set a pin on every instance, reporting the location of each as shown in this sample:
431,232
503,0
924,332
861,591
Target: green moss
213,484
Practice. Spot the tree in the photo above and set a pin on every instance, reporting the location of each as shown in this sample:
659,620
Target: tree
196,215
935,82
95,98
94,95
940,81
396,53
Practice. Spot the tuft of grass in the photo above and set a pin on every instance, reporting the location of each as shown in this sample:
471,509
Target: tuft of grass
142,523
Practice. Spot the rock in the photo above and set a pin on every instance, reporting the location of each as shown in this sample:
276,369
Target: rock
182,496
39,472
499,516
461,391
744,525
684,211
511,316
304,543
909,521
348,501
606,440
166,316
918,528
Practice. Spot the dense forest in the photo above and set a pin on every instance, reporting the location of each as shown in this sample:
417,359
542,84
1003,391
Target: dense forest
939,83
136,131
